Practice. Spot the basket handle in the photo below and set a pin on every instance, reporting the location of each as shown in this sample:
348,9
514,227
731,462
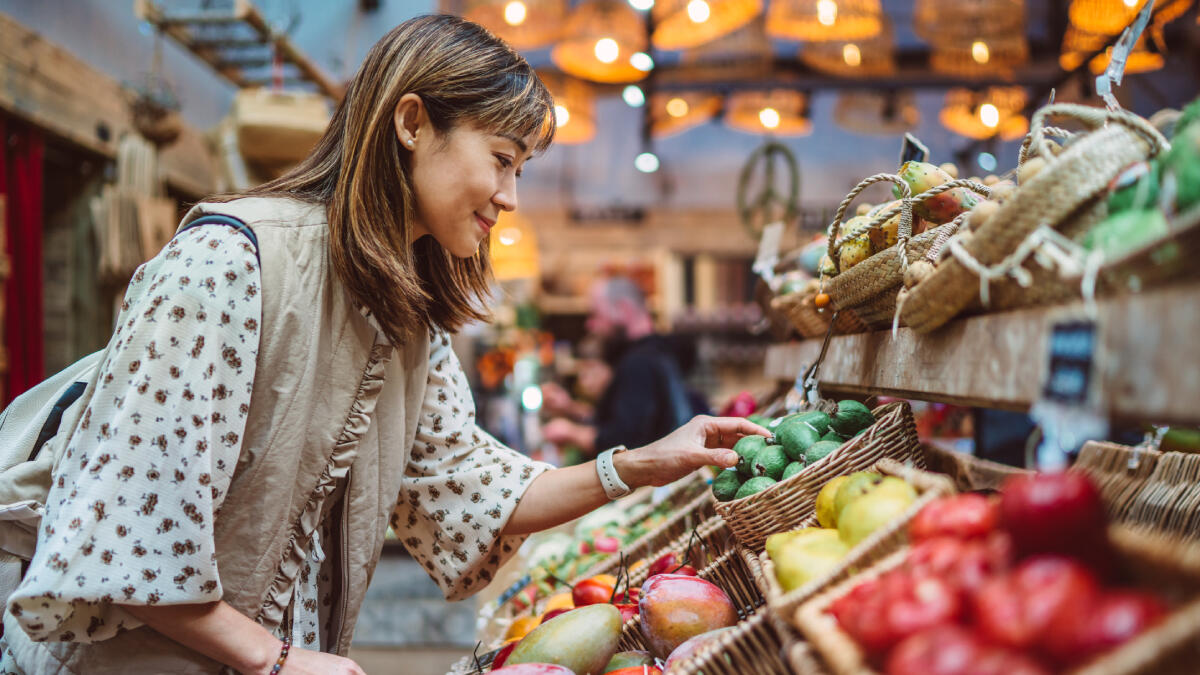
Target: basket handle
1093,118
905,209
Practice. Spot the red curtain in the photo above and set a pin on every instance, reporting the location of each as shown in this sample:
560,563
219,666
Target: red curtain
21,184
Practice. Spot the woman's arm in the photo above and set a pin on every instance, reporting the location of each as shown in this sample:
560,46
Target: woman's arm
224,634
558,496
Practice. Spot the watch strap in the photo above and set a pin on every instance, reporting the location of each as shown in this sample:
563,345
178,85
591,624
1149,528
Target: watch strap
614,487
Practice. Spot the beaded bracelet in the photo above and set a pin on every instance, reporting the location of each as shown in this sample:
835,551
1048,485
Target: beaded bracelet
287,644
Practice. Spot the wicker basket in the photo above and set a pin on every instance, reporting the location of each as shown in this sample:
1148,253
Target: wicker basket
811,322
700,547
879,545
1155,562
1119,471
753,647
870,287
1169,500
788,503
968,472
680,524
1067,187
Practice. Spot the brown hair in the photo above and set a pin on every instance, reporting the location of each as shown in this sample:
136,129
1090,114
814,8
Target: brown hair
462,73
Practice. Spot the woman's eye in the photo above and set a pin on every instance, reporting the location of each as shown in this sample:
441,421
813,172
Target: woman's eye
504,161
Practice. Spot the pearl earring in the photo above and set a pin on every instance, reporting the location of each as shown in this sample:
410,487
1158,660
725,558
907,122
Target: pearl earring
410,142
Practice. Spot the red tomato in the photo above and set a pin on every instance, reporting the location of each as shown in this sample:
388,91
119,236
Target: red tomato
663,565
591,592
963,516
1056,513
1087,630
636,670
902,604
628,611
941,650
1015,609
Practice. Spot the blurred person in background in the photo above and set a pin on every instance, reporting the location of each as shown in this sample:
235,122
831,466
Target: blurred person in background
648,395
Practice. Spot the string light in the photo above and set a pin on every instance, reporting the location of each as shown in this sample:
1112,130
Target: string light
607,50
851,55
826,12
642,61
769,117
514,13
698,11
989,115
980,52
634,96
677,107
561,115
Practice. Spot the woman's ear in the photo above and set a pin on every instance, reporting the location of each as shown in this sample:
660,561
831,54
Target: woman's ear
409,118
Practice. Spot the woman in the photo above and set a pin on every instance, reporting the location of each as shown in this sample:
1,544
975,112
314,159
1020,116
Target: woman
254,427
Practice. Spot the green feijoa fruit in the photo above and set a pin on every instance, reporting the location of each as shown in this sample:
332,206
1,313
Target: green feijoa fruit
754,486
796,437
851,418
770,462
819,449
792,469
726,484
747,448
834,437
815,419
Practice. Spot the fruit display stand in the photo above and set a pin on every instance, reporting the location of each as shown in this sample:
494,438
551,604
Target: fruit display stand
1156,562
879,545
679,524
787,504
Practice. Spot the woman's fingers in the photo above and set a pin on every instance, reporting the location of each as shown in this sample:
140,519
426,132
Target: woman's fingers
723,432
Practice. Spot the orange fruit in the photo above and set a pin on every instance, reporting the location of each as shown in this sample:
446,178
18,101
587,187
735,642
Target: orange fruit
521,627
560,601
606,579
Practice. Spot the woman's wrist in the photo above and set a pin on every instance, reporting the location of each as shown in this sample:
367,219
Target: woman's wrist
265,656
628,467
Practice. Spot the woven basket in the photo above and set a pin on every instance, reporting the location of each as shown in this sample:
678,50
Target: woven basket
680,524
1119,471
1066,187
870,287
699,547
1169,500
968,472
882,543
810,322
1155,562
753,647
788,503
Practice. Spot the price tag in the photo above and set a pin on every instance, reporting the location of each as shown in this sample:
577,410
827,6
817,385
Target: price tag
913,150
1070,365
1111,77
768,250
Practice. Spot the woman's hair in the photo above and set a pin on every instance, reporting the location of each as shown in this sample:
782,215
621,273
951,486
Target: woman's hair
358,169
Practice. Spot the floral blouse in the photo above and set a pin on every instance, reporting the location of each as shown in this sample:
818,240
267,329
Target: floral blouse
129,517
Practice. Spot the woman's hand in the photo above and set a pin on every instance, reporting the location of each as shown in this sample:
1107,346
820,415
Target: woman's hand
307,662
703,441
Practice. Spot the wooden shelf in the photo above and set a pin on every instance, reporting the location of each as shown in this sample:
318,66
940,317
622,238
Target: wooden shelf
1148,358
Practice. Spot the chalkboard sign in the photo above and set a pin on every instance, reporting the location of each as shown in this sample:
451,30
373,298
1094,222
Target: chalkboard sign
1070,365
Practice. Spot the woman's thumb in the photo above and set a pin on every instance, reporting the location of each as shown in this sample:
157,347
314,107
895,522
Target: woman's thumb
722,457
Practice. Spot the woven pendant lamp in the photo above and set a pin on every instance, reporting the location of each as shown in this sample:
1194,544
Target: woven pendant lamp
524,24
869,57
1109,17
513,248
993,112
876,114
949,21
1147,54
822,20
744,53
598,41
680,24
778,112
981,55
673,113
574,108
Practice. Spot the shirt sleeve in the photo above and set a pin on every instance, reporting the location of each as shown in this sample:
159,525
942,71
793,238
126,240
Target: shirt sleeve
460,486
129,516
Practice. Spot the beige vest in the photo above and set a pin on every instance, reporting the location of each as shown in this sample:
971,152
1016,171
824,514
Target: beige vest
313,420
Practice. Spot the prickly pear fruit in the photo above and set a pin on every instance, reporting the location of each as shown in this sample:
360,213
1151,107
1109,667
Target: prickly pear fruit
920,176
854,251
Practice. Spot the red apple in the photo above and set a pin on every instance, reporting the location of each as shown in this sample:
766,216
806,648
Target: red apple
674,607
553,613
1015,609
962,516
663,564
591,592
606,544
1087,630
965,564
502,655
1056,513
941,650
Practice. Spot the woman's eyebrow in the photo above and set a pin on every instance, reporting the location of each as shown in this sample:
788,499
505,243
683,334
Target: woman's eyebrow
520,143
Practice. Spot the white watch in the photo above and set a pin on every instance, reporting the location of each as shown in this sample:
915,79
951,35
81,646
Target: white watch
614,487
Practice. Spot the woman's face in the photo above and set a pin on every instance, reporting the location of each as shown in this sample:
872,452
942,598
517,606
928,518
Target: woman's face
463,179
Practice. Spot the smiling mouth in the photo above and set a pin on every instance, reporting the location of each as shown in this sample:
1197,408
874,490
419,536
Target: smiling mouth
484,223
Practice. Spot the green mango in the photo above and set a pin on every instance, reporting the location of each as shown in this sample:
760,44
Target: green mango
583,639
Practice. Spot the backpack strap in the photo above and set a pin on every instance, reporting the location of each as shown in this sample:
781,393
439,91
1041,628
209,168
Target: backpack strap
222,219
54,419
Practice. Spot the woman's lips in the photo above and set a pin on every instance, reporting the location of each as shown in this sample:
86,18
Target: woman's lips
484,223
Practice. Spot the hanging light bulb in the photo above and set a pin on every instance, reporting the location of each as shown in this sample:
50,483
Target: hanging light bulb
647,162
1131,3
989,115
641,5
509,236
514,13
607,50
769,117
561,115
677,107
826,12
642,61
634,96
980,52
698,11
851,54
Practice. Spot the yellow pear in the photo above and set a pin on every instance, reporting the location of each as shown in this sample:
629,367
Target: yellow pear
871,512
806,558
825,512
